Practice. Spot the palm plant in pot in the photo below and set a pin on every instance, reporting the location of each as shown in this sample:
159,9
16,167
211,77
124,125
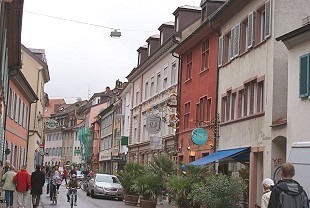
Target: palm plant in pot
149,186
127,177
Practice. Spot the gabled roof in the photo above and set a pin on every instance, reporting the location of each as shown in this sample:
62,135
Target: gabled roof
51,103
42,63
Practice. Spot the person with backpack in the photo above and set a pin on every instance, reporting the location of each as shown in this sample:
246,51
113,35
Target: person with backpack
288,193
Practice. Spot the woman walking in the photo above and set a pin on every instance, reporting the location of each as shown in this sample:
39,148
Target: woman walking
9,186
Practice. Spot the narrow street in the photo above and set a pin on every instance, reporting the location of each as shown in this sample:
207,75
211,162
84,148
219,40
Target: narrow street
83,201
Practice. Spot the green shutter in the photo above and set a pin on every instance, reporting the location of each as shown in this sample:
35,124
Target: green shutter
304,76
124,140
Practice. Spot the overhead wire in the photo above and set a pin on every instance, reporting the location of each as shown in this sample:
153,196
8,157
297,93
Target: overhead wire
85,23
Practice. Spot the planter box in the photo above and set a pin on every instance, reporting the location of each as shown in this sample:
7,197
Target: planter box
147,204
131,199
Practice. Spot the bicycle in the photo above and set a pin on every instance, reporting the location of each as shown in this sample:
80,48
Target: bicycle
72,196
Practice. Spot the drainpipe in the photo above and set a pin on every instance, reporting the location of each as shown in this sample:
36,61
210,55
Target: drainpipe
216,122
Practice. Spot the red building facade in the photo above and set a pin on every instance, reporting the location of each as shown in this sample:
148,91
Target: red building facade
197,89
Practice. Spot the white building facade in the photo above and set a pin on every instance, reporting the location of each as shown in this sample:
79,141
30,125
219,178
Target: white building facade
253,83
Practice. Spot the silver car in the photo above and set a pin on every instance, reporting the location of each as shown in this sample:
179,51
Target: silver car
105,185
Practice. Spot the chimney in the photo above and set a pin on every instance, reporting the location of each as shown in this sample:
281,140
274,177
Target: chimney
107,89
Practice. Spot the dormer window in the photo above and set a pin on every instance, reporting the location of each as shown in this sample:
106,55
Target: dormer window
149,49
139,58
161,37
177,22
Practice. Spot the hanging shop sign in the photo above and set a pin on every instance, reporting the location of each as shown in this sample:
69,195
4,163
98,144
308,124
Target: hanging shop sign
153,124
51,124
156,143
199,136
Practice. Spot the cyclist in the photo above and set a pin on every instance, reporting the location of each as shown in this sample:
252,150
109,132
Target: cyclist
73,184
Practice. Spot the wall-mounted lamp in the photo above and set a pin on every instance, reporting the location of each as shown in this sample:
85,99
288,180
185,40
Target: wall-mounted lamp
115,34
188,148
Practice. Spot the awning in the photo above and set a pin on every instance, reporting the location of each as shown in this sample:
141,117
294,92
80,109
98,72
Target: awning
221,154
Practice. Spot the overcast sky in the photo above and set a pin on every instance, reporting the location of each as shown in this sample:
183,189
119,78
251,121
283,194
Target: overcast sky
84,59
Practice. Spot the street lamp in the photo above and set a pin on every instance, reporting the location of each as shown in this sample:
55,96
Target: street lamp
115,33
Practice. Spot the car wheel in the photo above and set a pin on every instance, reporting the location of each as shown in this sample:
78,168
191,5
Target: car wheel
87,193
92,194
120,199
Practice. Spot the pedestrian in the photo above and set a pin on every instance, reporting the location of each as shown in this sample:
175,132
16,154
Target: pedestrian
267,186
37,183
23,185
288,193
7,166
65,175
9,186
73,171
48,179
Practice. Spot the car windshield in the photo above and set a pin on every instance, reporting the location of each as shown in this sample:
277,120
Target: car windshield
107,179
78,172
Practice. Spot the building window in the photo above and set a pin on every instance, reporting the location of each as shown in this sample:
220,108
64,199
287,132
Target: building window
263,23
304,76
145,90
152,87
165,81
186,116
244,36
244,102
137,97
173,74
189,66
135,139
205,55
158,83
227,47
177,24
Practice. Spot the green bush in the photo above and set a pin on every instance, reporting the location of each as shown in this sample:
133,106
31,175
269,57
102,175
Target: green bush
148,185
128,176
218,191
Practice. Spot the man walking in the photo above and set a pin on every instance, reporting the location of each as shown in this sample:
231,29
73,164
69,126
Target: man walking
288,193
23,185
37,183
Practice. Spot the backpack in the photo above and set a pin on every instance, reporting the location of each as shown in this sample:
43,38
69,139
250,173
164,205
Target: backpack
293,201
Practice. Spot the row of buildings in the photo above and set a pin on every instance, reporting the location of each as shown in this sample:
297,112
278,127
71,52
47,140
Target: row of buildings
237,69
24,72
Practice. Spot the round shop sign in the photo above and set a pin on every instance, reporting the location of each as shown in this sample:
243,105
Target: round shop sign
153,124
199,136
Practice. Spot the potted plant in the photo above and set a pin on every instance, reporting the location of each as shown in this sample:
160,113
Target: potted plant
149,186
127,177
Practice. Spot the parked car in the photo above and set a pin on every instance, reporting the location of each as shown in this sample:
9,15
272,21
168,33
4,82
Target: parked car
79,175
105,185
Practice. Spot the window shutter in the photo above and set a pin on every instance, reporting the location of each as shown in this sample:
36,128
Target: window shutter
232,41
237,40
268,19
220,52
304,76
250,33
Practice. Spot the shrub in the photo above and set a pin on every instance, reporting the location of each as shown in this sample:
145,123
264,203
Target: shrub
218,191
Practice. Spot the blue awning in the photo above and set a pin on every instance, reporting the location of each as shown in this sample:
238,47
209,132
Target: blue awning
221,154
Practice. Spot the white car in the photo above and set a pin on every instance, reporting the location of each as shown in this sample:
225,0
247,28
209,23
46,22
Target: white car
79,175
105,185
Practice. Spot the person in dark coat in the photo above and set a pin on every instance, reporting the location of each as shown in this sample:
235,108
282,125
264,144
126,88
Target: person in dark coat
37,183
